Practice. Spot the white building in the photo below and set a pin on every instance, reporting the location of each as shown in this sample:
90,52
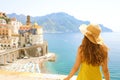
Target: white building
15,25
38,37
14,41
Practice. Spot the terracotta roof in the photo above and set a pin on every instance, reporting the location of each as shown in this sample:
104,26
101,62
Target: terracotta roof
4,25
25,28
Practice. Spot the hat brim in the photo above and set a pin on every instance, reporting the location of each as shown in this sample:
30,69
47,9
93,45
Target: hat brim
84,31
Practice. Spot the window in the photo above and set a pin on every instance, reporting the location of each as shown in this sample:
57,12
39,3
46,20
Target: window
1,45
8,45
4,45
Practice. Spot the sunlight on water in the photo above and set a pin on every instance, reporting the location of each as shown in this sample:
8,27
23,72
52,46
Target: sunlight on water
65,46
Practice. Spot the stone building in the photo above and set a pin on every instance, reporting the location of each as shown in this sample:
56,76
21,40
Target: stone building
38,36
30,34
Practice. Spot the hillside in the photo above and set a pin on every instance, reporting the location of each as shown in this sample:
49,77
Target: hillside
57,22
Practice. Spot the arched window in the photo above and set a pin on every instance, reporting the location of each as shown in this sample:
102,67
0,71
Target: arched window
4,45
8,45
1,45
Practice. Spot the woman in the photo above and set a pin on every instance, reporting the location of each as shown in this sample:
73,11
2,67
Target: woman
91,54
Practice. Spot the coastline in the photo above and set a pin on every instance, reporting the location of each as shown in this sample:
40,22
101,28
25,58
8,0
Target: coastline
32,68
32,64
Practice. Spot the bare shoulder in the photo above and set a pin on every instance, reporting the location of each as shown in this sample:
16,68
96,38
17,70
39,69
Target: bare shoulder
79,49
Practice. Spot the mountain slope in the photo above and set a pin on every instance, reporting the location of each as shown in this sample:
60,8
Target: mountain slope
57,22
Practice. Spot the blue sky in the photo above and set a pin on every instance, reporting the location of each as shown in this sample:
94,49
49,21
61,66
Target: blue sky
106,12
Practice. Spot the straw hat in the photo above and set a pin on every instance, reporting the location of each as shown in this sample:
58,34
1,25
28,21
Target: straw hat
92,32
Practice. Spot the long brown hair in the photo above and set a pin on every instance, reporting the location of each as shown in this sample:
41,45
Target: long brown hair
93,54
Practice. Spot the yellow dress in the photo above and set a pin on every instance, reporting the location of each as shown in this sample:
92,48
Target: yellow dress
89,72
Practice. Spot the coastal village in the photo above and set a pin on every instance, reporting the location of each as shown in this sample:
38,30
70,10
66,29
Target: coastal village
24,39
13,34
23,51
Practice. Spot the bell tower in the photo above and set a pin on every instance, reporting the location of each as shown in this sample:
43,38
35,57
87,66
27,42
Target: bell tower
28,22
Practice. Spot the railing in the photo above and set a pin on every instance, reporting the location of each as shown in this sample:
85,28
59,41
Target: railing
10,55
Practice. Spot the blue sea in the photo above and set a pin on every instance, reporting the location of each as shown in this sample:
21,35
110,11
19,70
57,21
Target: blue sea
65,45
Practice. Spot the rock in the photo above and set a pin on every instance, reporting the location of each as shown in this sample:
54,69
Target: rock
51,57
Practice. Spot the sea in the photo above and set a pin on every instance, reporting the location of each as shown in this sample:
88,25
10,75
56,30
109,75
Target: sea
65,46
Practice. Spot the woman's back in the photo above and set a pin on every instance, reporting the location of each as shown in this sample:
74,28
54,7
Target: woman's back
91,54
89,72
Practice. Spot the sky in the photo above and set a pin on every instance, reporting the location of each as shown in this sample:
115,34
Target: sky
106,12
